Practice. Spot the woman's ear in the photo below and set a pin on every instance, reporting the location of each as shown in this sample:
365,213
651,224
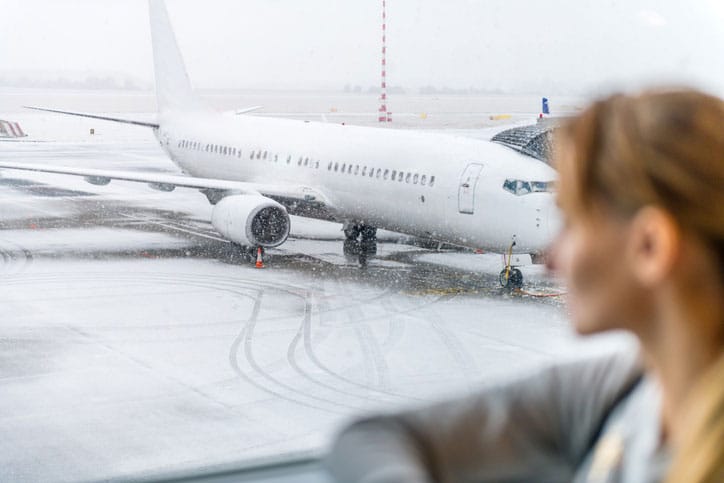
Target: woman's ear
653,245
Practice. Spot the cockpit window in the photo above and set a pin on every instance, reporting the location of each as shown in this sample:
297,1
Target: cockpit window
520,187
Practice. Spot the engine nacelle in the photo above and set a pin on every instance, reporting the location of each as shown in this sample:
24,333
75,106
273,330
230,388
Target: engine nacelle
251,220
98,180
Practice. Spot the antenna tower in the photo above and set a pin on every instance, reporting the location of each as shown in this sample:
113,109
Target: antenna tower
384,114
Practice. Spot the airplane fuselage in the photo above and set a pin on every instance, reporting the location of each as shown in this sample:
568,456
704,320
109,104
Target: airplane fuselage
429,185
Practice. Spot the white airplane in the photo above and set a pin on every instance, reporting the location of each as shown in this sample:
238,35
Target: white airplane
257,171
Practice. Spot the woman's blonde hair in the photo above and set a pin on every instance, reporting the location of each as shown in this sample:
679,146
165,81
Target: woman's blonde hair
661,148
700,457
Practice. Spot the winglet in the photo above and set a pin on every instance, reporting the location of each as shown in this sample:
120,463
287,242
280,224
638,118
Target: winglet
544,106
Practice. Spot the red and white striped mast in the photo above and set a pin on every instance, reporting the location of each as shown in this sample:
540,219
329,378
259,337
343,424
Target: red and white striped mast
384,116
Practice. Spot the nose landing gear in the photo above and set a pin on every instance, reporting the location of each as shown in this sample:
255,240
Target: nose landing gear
511,277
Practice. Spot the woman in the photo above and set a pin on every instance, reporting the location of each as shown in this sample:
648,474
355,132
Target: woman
642,194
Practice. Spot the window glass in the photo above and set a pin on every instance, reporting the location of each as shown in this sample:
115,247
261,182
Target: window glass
523,187
510,185
186,355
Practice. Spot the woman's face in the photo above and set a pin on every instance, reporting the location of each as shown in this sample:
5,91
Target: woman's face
589,255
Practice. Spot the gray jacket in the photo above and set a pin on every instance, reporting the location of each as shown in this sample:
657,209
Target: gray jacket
592,421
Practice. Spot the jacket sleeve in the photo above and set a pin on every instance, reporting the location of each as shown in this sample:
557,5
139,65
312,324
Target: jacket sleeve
537,428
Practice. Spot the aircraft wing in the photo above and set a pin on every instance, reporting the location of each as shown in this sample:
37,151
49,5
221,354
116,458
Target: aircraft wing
297,198
94,116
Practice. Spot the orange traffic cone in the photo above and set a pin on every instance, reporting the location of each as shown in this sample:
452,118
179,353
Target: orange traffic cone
259,262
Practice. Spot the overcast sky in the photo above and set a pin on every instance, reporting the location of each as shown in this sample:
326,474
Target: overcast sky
516,45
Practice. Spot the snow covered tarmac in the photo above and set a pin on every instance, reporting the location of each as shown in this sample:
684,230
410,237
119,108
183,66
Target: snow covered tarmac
134,340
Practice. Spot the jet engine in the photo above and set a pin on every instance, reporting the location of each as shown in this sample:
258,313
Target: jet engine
251,220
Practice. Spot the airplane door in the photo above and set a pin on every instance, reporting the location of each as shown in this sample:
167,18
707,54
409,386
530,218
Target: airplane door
466,192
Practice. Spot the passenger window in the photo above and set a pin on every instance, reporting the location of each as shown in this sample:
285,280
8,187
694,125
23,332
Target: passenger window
225,150
239,151
316,165
251,156
306,161
356,169
265,154
276,158
407,178
344,167
387,173
394,175
364,171
329,166
400,176
415,178
432,181
289,159
372,172
423,180
336,167
379,172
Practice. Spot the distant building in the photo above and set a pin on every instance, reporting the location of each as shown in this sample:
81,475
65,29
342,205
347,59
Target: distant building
9,129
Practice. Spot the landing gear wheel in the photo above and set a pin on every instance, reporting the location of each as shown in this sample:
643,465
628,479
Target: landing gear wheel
352,232
360,243
368,234
351,248
511,278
